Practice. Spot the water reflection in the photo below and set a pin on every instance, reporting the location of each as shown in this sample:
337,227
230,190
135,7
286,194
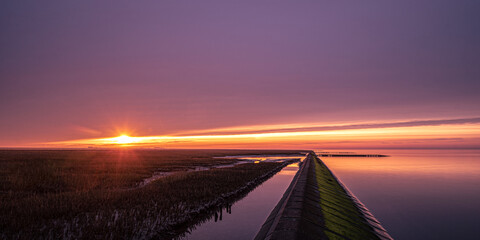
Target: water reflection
266,158
243,218
417,194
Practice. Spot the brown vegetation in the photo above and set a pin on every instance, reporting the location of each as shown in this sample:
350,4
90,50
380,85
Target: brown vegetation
89,194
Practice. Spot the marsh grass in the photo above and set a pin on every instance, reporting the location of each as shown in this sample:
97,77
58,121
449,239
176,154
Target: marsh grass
89,194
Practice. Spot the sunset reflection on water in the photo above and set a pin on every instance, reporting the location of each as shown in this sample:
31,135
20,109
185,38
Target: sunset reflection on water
290,169
417,194
411,164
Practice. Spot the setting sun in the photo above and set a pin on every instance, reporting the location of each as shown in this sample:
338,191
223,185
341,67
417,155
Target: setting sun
123,139
240,120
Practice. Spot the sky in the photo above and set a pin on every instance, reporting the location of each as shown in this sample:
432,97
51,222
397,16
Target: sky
328,73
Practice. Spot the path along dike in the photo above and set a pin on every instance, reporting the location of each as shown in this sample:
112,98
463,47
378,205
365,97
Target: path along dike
317,205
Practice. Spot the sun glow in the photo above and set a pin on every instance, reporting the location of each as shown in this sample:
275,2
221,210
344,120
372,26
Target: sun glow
123,139
413,136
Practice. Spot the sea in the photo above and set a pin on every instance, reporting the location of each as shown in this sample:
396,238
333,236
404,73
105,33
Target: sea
416,193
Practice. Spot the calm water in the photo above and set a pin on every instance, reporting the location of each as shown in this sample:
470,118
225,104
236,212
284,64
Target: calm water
417,194
248,214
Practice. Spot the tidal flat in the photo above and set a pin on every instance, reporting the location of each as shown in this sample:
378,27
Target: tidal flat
92,194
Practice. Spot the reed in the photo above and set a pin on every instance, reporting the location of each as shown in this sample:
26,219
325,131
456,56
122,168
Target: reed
92,194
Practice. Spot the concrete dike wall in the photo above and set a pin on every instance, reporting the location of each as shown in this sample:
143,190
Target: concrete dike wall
317,205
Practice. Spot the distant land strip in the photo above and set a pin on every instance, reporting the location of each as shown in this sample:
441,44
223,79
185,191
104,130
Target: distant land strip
351,155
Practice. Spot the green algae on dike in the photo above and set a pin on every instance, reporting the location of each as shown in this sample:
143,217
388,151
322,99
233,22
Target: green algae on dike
317,205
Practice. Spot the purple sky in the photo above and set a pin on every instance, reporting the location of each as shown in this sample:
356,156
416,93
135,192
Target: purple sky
82,69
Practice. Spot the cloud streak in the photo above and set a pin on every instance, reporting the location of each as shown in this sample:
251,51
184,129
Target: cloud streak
427,133
317,127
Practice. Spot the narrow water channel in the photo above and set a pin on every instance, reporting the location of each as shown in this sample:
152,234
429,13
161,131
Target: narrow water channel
248,214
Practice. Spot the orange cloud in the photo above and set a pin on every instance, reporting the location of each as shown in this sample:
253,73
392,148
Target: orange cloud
432,133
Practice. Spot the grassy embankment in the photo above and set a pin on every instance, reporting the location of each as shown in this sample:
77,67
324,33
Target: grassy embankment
341,215
89,194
